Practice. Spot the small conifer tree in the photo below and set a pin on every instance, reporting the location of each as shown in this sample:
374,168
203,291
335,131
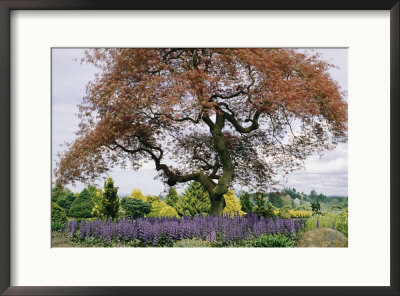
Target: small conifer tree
172,197
194,201
110,199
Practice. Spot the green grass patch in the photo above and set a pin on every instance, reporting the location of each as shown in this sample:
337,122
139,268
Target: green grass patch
336,220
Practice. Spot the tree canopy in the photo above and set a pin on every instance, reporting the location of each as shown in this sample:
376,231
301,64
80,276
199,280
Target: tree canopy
217,116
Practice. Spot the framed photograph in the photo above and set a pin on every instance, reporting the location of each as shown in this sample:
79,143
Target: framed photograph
161,148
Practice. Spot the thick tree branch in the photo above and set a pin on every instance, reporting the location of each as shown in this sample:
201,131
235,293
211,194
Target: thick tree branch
186,118
244,130
227,97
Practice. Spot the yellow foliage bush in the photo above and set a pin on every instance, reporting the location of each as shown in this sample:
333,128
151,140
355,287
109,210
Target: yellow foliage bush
137,193
300,214
156,208
296,213
168,212
232,204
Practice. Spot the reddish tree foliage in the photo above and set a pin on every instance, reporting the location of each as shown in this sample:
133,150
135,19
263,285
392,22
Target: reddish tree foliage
220,116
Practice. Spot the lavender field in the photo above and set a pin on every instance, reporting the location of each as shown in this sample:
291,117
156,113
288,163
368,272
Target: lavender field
214,231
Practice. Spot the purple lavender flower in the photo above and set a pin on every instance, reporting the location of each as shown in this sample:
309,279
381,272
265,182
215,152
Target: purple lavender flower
154,231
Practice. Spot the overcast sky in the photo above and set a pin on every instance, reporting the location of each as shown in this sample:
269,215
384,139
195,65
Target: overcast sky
326,174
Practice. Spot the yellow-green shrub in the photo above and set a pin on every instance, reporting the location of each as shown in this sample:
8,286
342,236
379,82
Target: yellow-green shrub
232,205
137,193
300,214
156,208
168,211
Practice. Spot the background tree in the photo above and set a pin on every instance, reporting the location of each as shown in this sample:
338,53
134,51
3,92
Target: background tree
245,201
135,208
296,203
110,199
172,197
82,205
286,201
224,116
137,193
58,193
152,198
275,199
259,209
66,202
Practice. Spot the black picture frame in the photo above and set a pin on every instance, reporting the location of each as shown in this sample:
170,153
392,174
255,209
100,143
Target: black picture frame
7,6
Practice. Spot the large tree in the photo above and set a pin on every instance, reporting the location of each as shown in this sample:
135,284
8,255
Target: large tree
216,116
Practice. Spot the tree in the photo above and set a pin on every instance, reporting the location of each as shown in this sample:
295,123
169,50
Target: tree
224,116
275,199
137,193
82,205
245,201
109,199
172,197
286,201
58,193
152,198
194,201
135,208
66,202
296,203
316,206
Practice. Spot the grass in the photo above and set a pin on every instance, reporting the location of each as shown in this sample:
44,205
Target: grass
328,220
61,242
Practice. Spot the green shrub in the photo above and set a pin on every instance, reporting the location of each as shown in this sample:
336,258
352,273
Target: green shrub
269,211
135,208
192,243
58,214
56,226
82,205
270,241
284,212
66,202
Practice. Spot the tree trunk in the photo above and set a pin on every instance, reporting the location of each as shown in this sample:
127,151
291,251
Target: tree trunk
217,205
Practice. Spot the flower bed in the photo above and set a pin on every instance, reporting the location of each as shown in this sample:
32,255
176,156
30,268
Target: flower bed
165,231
